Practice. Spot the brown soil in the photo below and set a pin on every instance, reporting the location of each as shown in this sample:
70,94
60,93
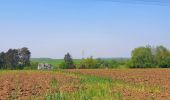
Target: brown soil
148,77
24,86
27,85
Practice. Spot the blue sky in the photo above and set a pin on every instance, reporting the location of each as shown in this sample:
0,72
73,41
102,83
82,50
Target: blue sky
102,28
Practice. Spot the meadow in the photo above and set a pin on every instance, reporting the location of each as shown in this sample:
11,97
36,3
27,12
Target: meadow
85,84
99,63
54,62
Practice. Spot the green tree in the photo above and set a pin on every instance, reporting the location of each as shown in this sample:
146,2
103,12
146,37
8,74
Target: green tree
89,63
15,58
102,63
2,60
162,57
12,58
142,57
69,61
24,57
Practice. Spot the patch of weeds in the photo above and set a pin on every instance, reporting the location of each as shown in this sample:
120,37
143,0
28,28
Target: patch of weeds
118,96
95,88
15,92
102,87
54,87
56,96
119,84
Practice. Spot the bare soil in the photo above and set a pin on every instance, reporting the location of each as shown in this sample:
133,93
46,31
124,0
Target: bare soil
24,86
148,77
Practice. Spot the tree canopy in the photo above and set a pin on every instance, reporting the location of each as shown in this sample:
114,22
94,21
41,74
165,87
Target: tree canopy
148,57
68,61
15,58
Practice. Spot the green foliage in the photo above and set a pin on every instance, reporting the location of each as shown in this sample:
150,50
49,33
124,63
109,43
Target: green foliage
162,57
89,63
63,65
142,57
103,63
99,63
2,61
93,88
15,58
112,63
54,62
69,61
32,66
149,57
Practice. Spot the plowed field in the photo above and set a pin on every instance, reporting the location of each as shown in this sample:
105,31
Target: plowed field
102,84
34,85
149,78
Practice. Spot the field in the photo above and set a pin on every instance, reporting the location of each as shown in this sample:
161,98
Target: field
112,62
98,84
54,62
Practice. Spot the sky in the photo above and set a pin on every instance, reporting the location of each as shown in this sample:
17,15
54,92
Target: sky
100,28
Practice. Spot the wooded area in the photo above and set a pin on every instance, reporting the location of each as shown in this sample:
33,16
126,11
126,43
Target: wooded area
141,57
15,58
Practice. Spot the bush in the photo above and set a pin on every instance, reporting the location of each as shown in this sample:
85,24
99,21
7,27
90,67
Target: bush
62,65
89,63
149,57
33,66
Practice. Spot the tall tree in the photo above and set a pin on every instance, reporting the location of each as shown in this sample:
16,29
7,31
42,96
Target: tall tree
24,56
12,58
69,61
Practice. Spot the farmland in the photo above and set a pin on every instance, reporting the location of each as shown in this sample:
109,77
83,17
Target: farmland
54,62
112,62
86,84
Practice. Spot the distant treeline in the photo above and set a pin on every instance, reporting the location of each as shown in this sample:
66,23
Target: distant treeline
91,63
15,58
141,57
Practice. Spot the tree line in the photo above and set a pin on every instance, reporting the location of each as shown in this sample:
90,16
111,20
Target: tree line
150,57
141,57
91,63
15,58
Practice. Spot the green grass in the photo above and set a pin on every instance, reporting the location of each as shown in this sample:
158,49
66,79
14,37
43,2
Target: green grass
102,88
119,62
90,87
54,62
